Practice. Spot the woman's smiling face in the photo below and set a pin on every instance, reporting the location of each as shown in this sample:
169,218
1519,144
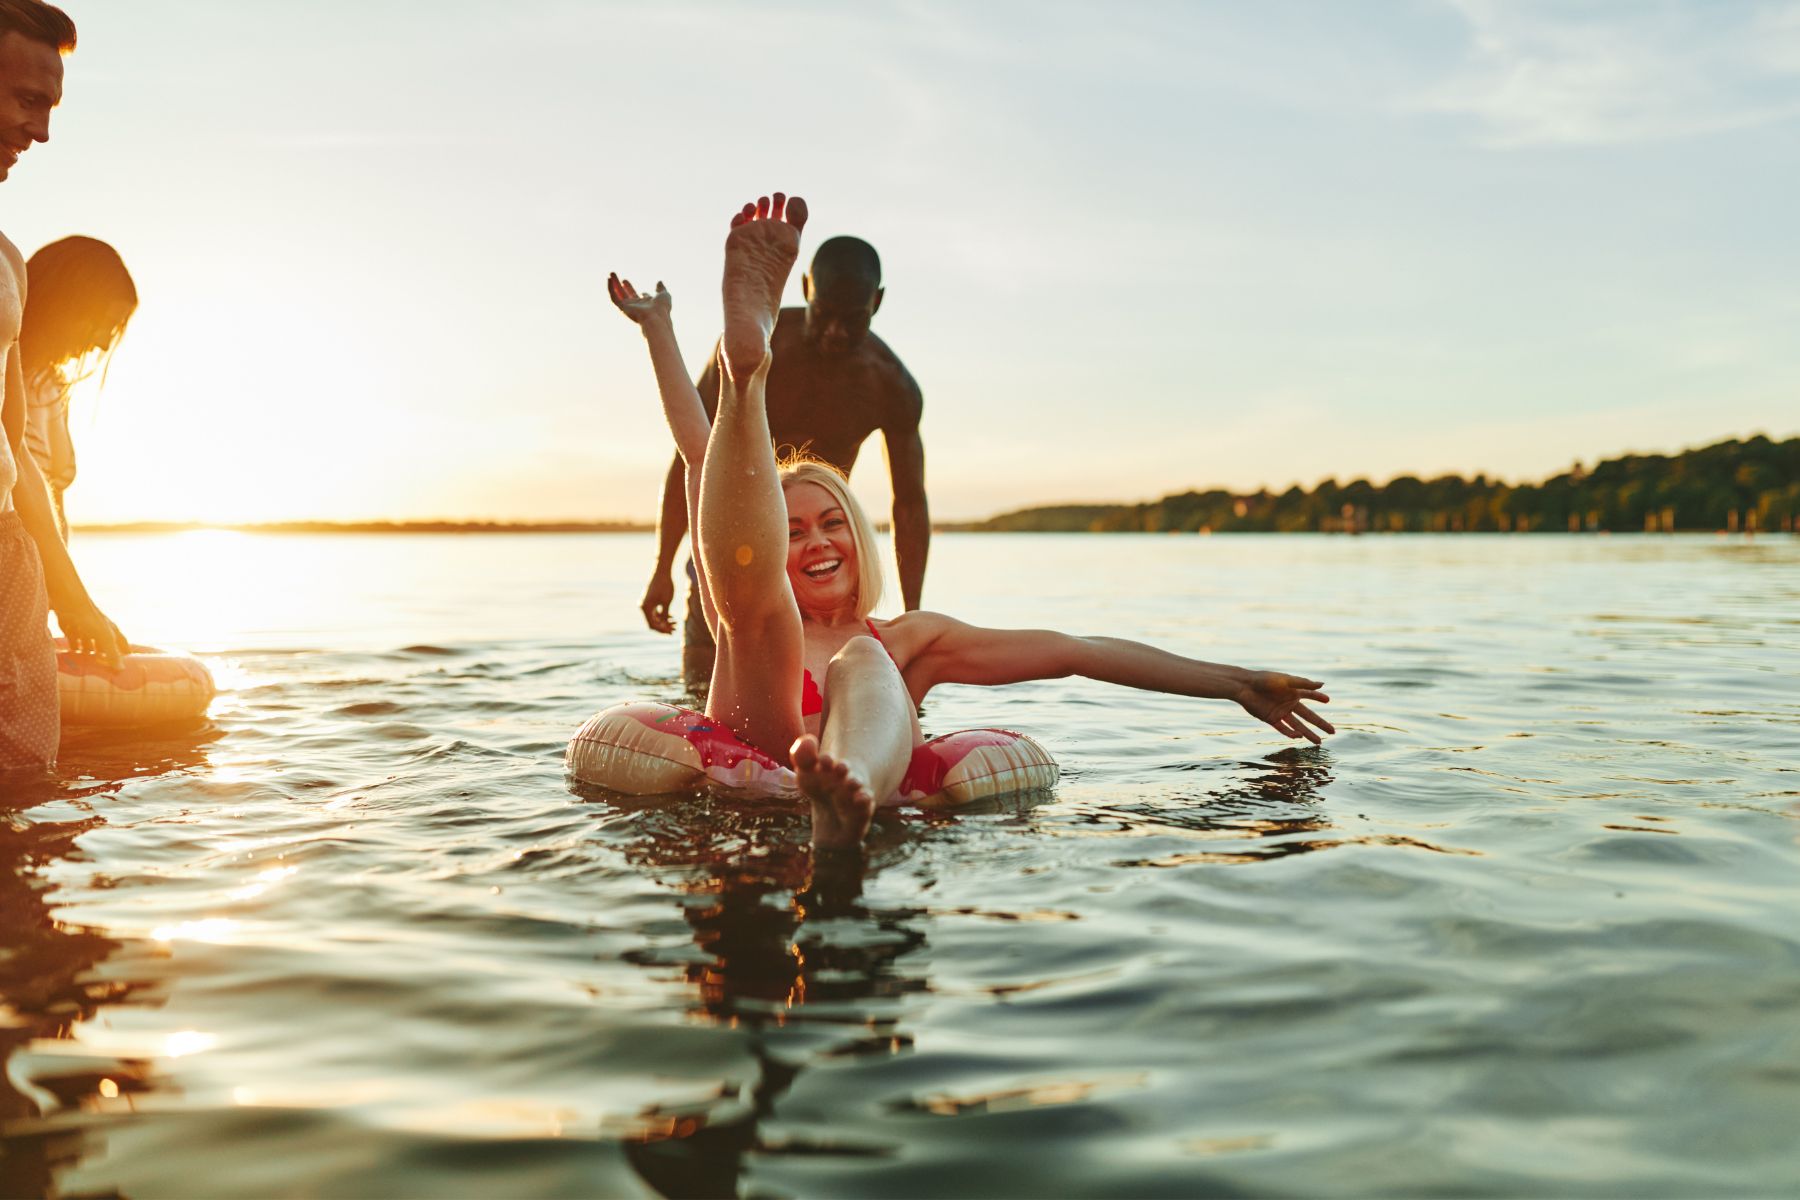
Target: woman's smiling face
821,549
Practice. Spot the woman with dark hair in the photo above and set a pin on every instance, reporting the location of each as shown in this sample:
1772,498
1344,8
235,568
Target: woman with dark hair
803,674
80,298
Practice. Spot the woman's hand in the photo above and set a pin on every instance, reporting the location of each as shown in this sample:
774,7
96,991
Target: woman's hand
640,309
89,632
1279,700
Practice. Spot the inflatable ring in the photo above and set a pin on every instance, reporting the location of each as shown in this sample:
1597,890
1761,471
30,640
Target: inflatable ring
148,687
645,748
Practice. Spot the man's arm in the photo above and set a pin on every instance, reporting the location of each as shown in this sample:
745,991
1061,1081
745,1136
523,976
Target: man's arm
85,626
906,474
671,526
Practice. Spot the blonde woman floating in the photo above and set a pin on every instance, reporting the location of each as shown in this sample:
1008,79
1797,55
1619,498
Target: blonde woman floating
788,577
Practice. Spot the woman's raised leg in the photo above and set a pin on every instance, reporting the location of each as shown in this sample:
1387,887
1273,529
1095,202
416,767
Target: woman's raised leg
742,528
868,731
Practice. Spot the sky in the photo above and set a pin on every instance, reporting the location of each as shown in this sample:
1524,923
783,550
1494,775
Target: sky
1130,249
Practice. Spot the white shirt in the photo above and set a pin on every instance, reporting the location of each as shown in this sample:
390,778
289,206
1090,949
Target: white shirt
12,313
47,432
9,475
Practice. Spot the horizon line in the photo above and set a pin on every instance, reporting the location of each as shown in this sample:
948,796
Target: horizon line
626,525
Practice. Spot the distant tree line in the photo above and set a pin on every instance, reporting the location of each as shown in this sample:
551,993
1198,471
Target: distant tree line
1752,485
382,527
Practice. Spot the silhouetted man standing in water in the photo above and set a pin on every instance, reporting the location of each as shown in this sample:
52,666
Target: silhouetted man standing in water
832,383
34,566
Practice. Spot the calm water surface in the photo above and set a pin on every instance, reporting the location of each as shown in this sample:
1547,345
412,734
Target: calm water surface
1529,924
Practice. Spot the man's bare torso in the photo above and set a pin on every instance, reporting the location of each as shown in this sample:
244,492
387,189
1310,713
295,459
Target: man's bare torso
12,315
829,405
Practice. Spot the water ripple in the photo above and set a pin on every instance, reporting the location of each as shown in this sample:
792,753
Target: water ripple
1524,927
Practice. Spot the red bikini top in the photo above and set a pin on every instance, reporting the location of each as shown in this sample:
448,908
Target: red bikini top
812,700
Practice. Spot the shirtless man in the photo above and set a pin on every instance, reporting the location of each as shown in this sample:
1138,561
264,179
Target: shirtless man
832,384
34,566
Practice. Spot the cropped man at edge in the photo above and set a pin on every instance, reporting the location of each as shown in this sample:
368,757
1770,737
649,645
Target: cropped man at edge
35,570
831,384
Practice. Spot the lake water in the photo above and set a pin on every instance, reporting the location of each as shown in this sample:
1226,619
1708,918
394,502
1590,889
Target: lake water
1529,924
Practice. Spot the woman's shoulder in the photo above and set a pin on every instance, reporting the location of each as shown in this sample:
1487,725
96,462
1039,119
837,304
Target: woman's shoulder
46,391
912,622
910,634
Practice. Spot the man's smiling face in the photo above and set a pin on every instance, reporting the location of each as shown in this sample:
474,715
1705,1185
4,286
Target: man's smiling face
31,79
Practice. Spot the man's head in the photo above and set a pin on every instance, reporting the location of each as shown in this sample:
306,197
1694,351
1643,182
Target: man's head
843,290
33,38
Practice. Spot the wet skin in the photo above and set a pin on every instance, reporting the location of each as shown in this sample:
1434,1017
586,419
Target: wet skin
780,601
831,384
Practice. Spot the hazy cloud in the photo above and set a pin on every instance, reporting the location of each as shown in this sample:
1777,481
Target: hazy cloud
1546,75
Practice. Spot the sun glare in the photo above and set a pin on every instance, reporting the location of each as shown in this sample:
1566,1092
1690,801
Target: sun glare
207,929
219,410
188,1041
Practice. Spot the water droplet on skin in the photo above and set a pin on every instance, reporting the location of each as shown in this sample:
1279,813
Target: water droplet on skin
744,555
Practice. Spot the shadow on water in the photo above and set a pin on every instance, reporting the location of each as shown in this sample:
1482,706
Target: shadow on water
787,942
48,979
1269,807
103,760
791,952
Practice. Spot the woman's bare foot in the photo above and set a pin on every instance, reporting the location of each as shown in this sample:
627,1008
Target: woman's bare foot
841,804
759,255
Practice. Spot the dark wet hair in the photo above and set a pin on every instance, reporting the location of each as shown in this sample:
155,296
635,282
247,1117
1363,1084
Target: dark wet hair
38,21
76,289
847,259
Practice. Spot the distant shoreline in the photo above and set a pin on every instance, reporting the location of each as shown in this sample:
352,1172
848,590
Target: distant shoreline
1752,485
591,527
377,527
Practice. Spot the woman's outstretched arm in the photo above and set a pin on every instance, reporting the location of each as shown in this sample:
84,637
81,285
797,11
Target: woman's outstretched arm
680,399
942,649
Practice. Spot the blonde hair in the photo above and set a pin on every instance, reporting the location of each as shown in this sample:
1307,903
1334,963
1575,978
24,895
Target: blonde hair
801,467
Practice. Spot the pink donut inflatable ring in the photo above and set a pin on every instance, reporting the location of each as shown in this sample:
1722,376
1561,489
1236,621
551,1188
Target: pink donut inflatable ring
148,687
644,748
